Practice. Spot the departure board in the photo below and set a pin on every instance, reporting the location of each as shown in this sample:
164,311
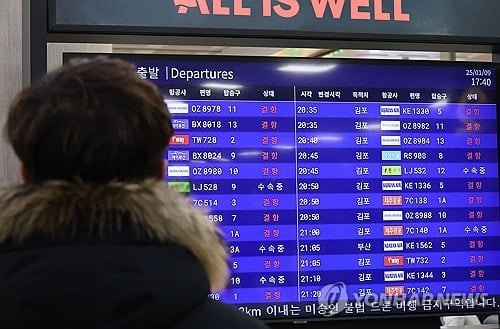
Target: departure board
344,188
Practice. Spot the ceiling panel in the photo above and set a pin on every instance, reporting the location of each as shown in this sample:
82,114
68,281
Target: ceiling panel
297,52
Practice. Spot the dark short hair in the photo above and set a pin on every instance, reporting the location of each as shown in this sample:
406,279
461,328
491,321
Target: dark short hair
92,119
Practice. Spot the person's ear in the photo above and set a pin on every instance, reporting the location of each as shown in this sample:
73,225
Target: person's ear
24,173
161,172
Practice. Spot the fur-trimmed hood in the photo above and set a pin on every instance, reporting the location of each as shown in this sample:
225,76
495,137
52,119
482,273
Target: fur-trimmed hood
153,211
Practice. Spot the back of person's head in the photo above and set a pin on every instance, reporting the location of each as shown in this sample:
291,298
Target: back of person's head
93,120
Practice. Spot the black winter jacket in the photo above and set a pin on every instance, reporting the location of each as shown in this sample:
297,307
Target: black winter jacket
111,256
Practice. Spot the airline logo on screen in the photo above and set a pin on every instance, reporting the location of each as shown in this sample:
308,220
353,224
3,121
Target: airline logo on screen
392,291
392,185
393,230
391,170
178,108
180,186
390,110
390,140
394,261
180,124
381,10
178,155
391,155
393,245
394,276
178,171
390,125
392,200
179,140
392,215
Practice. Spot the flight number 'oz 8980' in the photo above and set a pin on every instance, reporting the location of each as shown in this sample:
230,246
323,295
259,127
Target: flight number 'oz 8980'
209,171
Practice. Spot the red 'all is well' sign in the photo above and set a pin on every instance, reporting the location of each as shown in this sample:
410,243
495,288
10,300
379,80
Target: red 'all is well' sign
353,9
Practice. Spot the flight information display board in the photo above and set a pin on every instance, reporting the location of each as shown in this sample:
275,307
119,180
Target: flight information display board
344,188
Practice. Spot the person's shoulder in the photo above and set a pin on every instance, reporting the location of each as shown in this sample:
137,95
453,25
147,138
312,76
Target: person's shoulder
216,315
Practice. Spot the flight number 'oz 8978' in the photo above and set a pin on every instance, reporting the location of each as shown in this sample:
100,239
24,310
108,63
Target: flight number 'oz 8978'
206,108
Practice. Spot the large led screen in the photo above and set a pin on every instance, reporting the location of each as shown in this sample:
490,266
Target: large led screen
344,188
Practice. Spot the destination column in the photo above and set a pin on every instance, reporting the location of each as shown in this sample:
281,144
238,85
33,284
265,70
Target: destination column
335,155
